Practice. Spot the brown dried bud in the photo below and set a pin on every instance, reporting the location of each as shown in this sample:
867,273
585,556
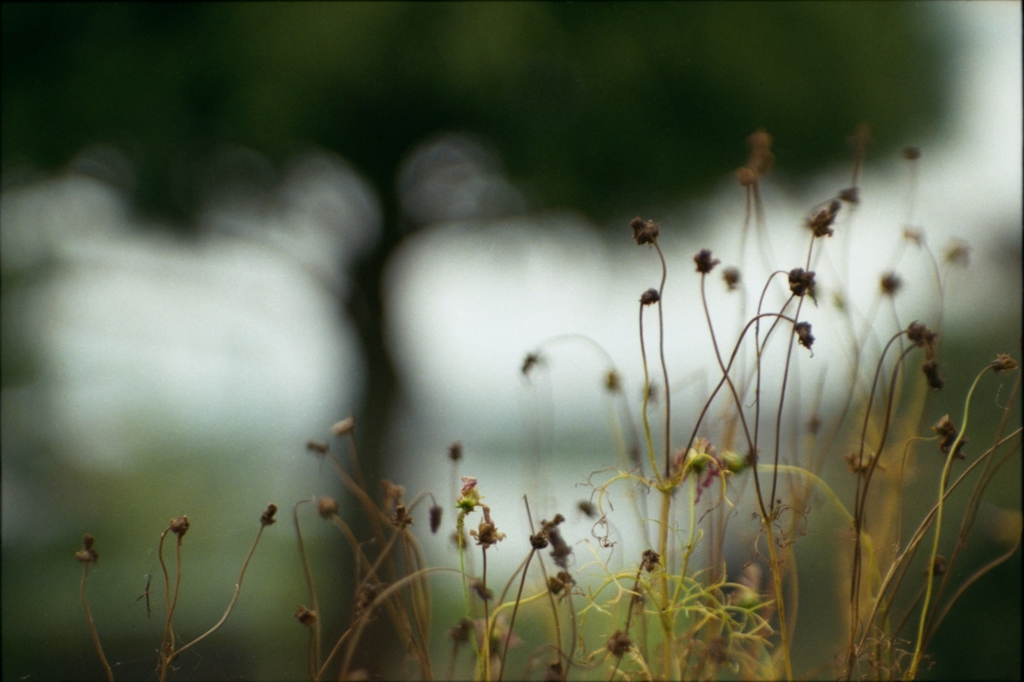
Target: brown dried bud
931,371
267,517
801,282
327,506
731,276
305,616
650,296
850,195
460,633
560,550
87,555
921,337
587,508
746,176
179,526
650,560
644,231
911,153
891,283
455,449
401,518
435,517
704,261
485,593
318,446
619,644
947,433
611,381
1003,363
539,540
345,426
531,360
803,334
821,221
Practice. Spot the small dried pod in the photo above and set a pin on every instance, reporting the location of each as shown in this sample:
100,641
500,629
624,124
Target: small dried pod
803,334
1003,363
87,555
401,518
305,616
644,231
345,426
731,276
890,283
650,296
619,644
455,449
820,223
267,517
179,526
801,282
327,506
931,372
650,560
850,195
705,263
435,517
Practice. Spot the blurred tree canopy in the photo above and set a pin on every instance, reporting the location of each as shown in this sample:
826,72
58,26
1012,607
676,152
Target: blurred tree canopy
603,107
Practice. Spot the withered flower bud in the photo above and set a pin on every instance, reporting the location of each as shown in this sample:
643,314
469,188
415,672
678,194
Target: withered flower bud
305,616
803,334
555,584
947,433
704,261
539,540
1003,363
891,283
435,517
587,508
820,223
460,633
801,282
455,449
267,517
644,231
619,644
931,371
531,360
731,276
921,337
850,195
318,446
482,591
611,381
650,560
345,426
401,518
911,153
650,296
87,555
179,526
327,506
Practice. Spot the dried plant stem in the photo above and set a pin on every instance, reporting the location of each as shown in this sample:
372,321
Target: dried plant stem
92,626
314,662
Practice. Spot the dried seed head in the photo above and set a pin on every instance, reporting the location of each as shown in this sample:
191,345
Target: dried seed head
644,231
913,235
305,616
345,426
435,517
731,276
650,296
704,261
485,593
401,518
611,381
958,253
455,451
560,551
87,555
619,644
587,508
460,633
327,506
922,337
487,533
179,526
267,517
539,540
318,446
931,371
650,560
820,223
1003,363
801,282
947,433
911,153
532,359
850,195
891,283
803,334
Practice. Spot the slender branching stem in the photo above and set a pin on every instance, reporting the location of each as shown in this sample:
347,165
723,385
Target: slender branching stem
92,626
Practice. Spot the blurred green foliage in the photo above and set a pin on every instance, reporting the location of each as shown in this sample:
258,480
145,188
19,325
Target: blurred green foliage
595,106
